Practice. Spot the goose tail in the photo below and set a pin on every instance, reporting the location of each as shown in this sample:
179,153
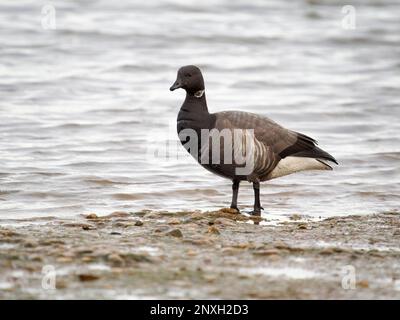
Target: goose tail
307,147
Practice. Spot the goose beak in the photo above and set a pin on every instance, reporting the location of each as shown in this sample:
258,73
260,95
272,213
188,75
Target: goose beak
176,85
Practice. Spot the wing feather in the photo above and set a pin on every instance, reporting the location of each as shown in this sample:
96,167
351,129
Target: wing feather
281,141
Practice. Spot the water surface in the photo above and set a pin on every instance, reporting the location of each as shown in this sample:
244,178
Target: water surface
80,105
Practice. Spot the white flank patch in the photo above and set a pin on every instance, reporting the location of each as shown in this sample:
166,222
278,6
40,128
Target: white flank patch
295,164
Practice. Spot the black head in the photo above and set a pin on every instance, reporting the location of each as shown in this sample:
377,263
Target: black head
190,79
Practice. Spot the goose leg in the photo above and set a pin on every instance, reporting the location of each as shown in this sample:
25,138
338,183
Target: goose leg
257,205
235,191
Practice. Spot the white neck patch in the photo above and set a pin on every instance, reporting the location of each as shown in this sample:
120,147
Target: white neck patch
199,94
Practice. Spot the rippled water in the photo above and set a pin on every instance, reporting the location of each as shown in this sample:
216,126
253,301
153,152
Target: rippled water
80,105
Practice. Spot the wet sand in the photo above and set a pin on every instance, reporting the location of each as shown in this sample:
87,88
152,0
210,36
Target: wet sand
201,255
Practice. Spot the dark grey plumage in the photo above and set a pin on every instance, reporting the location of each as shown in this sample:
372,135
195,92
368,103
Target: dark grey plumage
275,150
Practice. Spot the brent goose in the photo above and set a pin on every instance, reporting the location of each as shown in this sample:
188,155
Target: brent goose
273,150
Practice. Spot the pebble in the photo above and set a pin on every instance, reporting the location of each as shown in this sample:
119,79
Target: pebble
77,225
175,233
88,227
274,257
136,257
92,216
295,217
229,210
64,260
84,277
210,278
363,284
281,245
141,213
213,230
256,219
327,251
230,251
50,242
267,252
152,216
195,216
7,233
224,221
242,245
120,224
198,241
61,284
376,253
138,223
161,229
71,254
84,251
191,253
35,258
87,259
117,214
30,244
174,221
116,259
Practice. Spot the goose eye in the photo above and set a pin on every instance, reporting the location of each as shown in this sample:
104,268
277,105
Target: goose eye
188,75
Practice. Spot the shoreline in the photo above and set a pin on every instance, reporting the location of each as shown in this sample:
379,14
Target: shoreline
200,255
